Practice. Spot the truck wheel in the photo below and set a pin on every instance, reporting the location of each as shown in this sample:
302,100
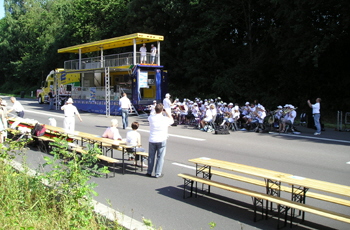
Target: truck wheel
40,100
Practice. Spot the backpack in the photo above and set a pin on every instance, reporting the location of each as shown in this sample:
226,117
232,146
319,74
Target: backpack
222,130
38,130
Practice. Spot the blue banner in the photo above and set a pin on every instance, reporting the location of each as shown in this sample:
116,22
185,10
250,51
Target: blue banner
97,106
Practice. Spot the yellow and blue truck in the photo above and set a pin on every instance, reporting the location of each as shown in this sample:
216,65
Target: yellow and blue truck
97,81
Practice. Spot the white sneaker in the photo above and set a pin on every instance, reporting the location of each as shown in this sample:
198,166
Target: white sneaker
317,133
145,164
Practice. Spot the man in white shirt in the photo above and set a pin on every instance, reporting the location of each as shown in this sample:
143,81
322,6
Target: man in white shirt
157,139
125,105
143,51
153,53
316,114
17,107
167,103
69,115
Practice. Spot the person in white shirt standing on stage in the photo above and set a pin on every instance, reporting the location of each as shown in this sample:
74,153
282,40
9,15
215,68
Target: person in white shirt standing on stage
69,115
17,107
153,53
316,114
143,51
158,136
125,105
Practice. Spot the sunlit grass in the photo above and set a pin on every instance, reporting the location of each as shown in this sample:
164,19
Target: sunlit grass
26,203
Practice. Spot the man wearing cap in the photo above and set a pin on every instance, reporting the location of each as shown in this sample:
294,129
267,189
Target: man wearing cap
152,108
69,115
167,103
125,105
288,119
259,118
316,114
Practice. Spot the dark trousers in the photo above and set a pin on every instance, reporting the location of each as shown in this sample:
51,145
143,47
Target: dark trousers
20,114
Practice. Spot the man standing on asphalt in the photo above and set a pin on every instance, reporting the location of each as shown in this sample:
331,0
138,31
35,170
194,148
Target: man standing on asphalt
316,114
125,105
51,97
167,103
69,115
17,107
157,139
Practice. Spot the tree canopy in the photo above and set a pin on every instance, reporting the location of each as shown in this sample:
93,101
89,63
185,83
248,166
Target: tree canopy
275,51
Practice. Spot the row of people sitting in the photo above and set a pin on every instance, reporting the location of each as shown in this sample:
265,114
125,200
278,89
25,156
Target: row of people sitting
251,116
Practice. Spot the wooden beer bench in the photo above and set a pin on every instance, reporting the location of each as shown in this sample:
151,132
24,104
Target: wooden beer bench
108,160
272,182
259,198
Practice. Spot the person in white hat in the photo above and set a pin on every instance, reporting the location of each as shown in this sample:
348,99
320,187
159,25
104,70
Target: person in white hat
69,115
152,108
278,113
167,103
260,115
288,119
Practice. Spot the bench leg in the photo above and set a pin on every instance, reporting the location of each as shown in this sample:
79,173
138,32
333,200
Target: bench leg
186,183
256,202
281,209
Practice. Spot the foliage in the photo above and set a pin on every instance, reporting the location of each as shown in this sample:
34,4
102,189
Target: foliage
62,202
276,51
69,179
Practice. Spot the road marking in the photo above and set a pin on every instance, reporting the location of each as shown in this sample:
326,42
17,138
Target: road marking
179,136
316,138
49,114
348,162
184,166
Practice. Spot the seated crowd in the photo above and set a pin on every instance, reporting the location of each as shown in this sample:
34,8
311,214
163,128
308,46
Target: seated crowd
252,116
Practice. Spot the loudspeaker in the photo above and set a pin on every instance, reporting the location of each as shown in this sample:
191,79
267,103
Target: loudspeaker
69,88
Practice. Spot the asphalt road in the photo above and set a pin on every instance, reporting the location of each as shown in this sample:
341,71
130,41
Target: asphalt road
325,157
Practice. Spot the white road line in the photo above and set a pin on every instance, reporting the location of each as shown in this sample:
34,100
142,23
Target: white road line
185,166
49,114
316,138
179,136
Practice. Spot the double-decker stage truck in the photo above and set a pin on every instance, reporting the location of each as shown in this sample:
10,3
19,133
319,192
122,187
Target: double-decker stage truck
97,83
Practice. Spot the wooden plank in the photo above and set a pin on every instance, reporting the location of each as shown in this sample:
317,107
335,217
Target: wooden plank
107,159
142,154
343,190
274,199
283,188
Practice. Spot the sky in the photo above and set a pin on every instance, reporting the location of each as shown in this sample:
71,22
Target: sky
2,12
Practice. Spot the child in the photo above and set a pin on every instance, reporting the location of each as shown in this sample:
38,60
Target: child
133,138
